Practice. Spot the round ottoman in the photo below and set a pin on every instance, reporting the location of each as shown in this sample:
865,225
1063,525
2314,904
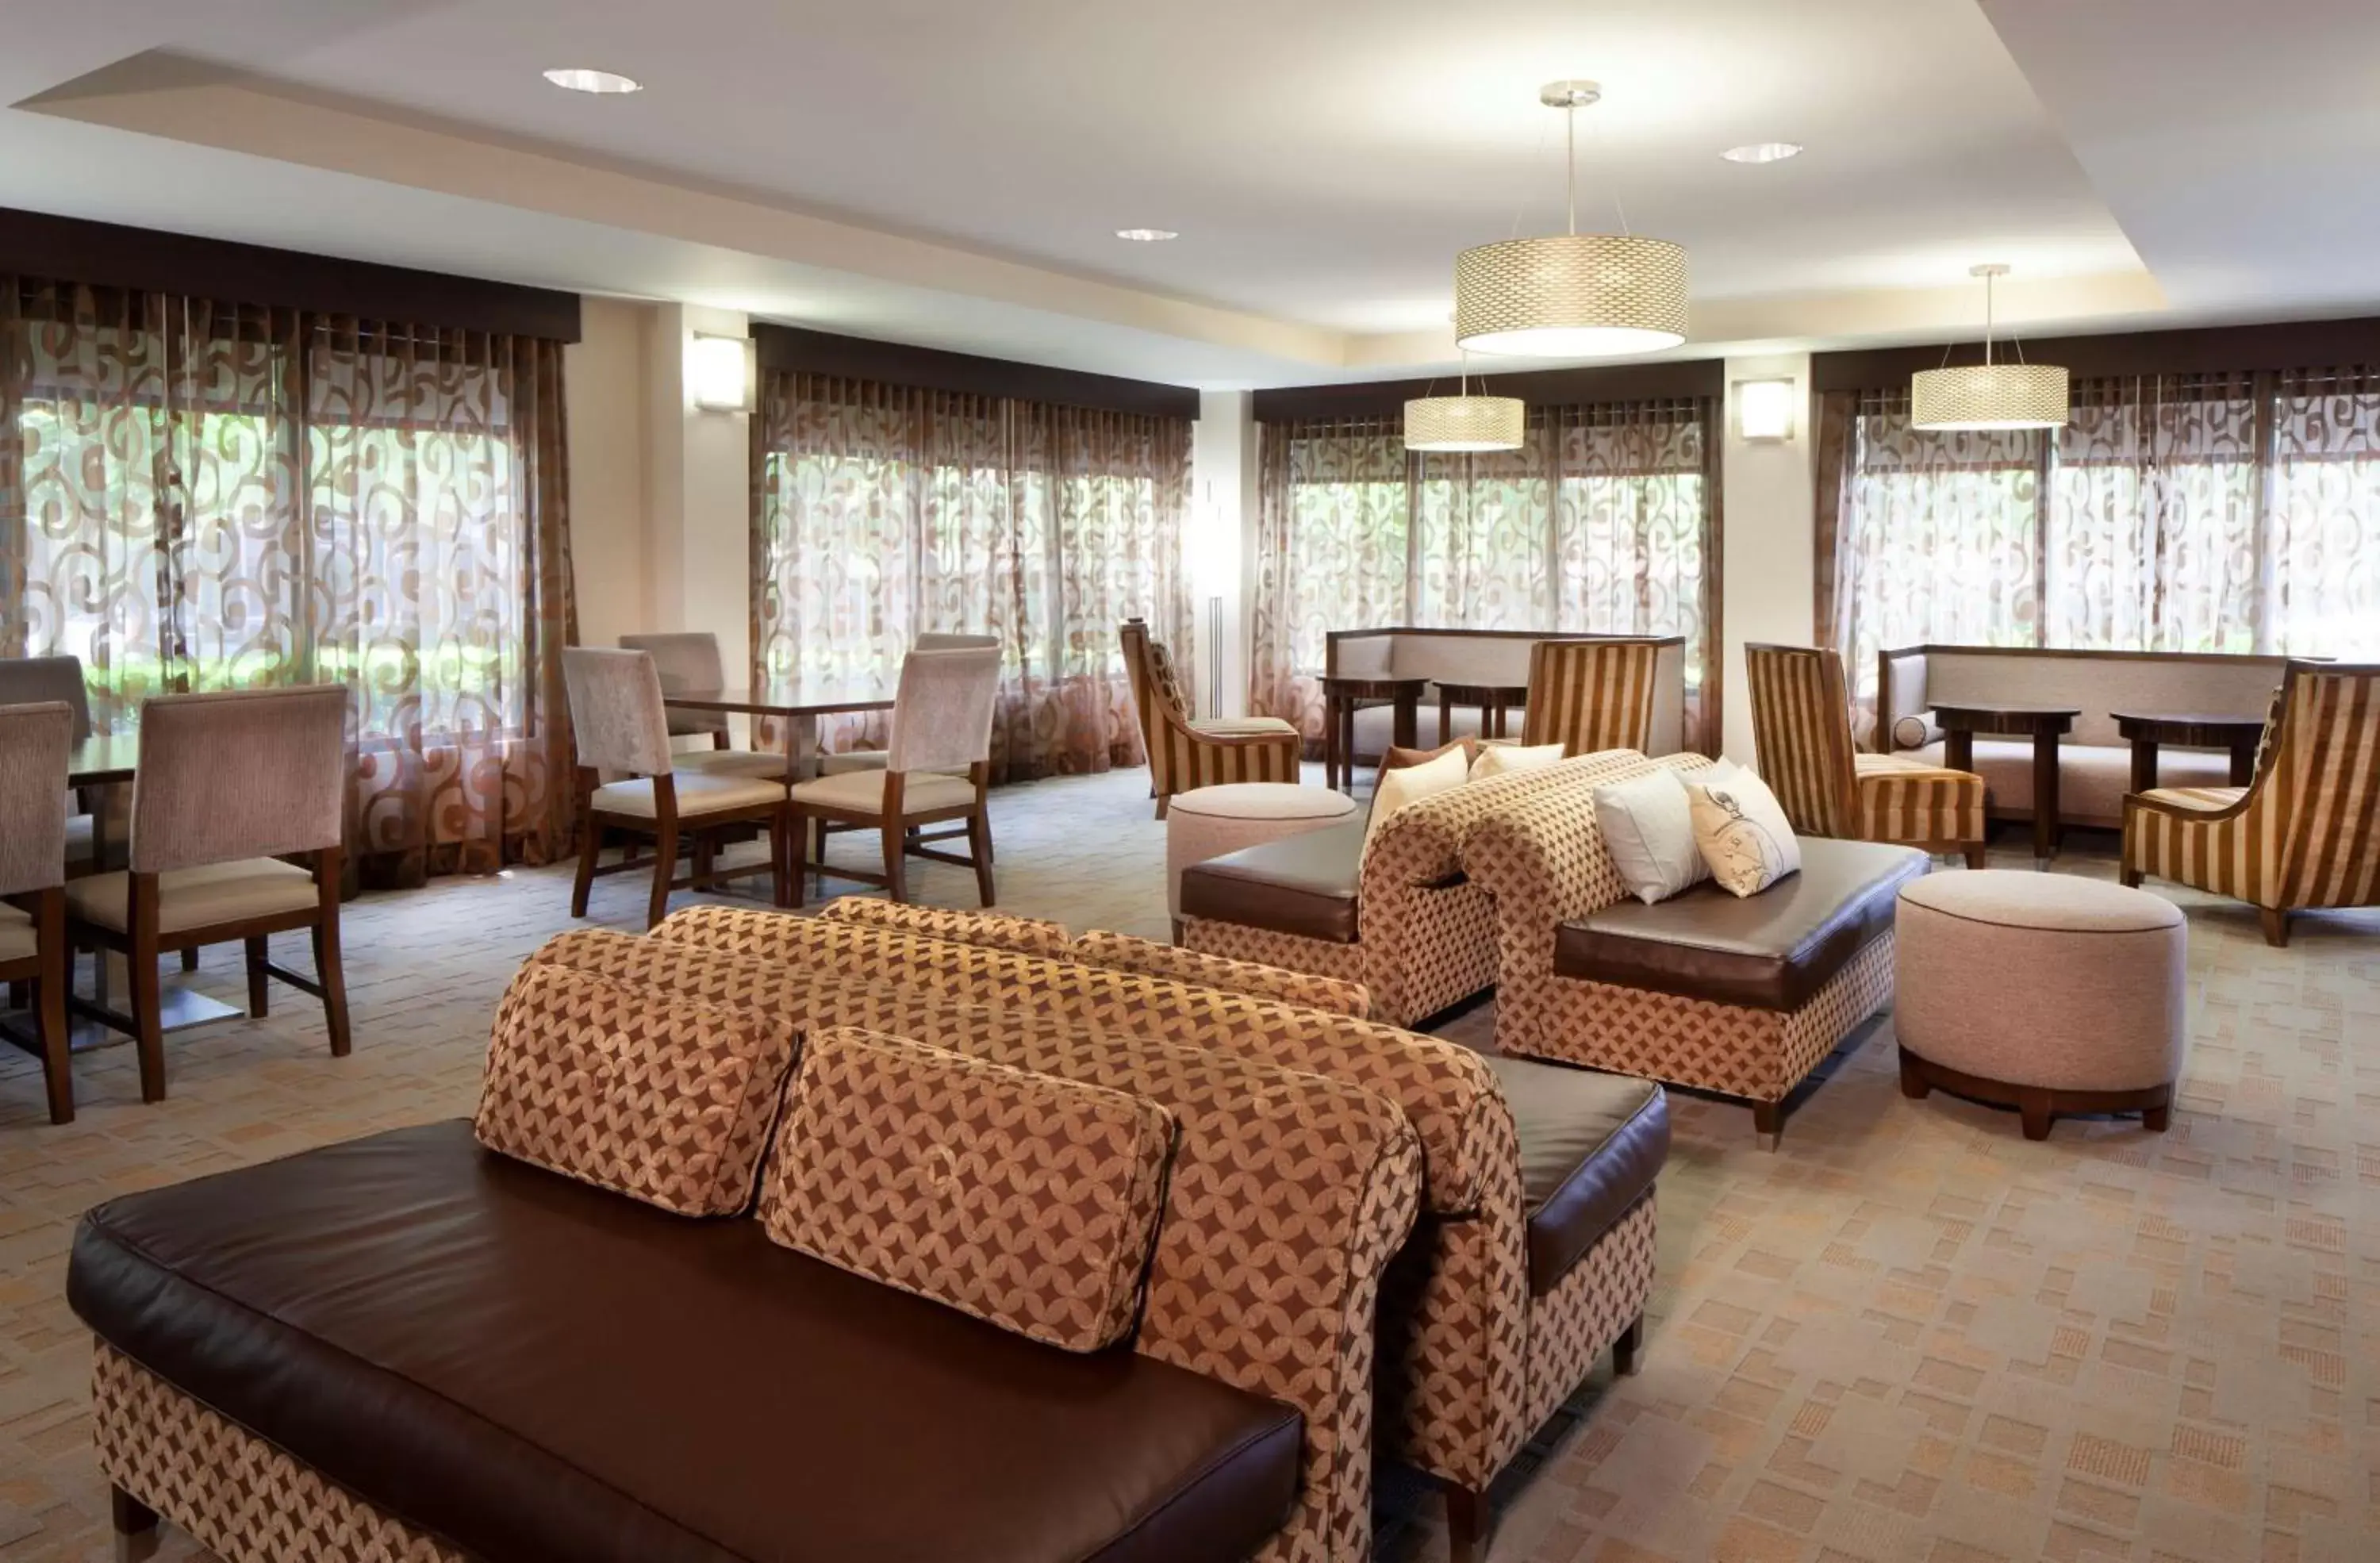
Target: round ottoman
1211,821
2042,992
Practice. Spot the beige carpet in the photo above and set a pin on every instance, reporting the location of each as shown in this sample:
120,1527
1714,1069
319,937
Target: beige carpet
1908,1335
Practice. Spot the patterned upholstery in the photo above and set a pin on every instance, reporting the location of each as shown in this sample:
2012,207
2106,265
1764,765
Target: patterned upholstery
1024,1199
2305,834
1123,953
1589,695
1184,755
995,930
1801,731
35,741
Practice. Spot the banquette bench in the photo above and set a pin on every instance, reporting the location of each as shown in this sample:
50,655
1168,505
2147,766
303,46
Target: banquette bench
1492,658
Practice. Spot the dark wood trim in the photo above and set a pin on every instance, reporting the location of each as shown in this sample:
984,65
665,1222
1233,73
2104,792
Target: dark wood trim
797,350
2038,1104
1539,388
2276,345
70,249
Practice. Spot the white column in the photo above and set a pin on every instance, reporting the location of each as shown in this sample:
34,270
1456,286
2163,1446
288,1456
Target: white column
1767,575
697,492
603,386
1221,535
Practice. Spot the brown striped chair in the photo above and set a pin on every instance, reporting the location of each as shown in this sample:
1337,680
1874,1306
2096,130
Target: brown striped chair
1589,695
2305,833
1184,754
1802,738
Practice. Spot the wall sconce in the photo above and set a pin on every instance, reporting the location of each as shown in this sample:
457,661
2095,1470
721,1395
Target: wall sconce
718,373
1764,410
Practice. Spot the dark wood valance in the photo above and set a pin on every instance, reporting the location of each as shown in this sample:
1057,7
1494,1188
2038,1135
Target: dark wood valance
70,249
1539,388
2280,346
795,349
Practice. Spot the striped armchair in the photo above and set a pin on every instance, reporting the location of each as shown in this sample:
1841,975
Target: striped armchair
2305,833
1589,695
1184,755
1802,738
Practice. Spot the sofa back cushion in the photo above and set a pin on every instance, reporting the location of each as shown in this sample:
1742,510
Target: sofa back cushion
1029,1201
632,1090
1122,952
993,930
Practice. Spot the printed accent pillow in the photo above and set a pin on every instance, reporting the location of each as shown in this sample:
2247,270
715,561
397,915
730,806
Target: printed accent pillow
641,1093
1395,789
1400,760
1648,829
1028,1201
1501,759
1742,830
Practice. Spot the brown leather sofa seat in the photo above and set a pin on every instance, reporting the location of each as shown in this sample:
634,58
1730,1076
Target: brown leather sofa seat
1305,885
540,1371
1773,950
1591,1146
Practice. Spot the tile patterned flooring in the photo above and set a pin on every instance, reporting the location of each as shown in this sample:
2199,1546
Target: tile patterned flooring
1909,1334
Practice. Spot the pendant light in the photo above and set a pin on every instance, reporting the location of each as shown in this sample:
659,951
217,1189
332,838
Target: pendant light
1989,395
1465,422
1573,295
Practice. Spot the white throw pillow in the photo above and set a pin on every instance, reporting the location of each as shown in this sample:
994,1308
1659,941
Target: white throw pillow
1410,785
1496,759
1649,831
1742,830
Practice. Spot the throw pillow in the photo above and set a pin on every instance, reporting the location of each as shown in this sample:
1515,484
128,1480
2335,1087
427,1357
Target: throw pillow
1498,760
1415,782
1400,760
1742,830
1649,828
1915,731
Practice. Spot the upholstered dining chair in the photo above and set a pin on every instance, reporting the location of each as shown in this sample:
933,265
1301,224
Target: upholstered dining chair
941,721
1589,695
228,785
2305,833
618,723
27,680
1185,754
34,742
1802,740
873,759
689,662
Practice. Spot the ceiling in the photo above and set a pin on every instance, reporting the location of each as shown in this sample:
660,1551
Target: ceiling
952,171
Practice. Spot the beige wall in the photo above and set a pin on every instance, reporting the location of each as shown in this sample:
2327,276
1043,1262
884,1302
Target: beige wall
603,389
1767,568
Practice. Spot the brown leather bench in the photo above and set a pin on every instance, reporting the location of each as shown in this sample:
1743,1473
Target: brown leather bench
1306,886
1591,1146
527,1367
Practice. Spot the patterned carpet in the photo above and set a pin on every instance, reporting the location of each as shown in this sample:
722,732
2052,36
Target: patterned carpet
1909,1334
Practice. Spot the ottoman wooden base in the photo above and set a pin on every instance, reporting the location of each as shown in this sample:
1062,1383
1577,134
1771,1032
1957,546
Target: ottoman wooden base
2037,1104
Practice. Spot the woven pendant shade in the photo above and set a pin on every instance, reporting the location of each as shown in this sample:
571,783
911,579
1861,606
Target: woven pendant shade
1464,423
1989,396
1571,295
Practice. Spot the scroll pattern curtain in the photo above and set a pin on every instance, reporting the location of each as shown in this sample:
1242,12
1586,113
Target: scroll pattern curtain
1607,521
205,496
2180,512
882,512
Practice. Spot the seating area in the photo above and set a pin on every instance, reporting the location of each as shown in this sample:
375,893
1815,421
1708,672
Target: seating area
930,783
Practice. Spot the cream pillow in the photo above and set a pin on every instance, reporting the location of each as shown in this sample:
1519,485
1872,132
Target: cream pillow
1410,785
1496,759
1742,830
1649,831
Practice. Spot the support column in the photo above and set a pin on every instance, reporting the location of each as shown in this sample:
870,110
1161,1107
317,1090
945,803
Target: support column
697,492
1221,546
1767,571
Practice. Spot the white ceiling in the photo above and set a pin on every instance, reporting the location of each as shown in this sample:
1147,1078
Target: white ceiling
950,171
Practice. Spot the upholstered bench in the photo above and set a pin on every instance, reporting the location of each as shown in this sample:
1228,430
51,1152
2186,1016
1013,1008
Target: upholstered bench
1591,1146
1210,823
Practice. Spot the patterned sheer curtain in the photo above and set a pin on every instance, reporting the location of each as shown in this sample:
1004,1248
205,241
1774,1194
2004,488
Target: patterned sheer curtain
884,512
1607,521
205,496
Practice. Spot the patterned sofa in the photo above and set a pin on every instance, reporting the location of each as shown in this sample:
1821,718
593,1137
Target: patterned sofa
1402,918
1739,997
1534,1250
614,1365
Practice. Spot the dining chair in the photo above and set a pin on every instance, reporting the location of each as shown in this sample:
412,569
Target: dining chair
619,724
1185,754
34,742
689,662
227,786
1589,695
873,759
1801,744
2305,833
26,681
942,720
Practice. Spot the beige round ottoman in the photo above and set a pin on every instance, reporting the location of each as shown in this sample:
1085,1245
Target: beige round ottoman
2042,992
1211,821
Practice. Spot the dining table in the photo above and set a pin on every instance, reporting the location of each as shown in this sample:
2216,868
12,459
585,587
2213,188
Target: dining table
2044,725
798,702
2148,731
1342,697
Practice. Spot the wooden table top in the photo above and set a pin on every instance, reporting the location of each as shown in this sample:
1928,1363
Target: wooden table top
2167,723
1984,717
1470,694
102,759
1351,687
791,697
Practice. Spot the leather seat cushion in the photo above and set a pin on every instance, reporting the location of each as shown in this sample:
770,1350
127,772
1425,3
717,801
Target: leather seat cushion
699,792
1772,951
536,1370
1591,1146
1304,884
200,898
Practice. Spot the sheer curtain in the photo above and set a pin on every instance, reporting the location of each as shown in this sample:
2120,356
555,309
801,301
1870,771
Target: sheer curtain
2320,552
882,512
205,496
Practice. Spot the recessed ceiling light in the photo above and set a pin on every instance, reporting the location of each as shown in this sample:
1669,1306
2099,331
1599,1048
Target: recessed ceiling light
1762,152
577,78
1146,235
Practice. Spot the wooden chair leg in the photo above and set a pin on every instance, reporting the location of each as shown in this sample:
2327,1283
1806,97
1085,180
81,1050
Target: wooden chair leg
189,958
1160,806
978,834
260,986
148,1021
781,850
1977,857
20,996
664,870
2033,1108
329,973
50,993
1625,1349
2277,927
1468,1520
2132,877
896,861
127,1514
590,846
1913,1084
1768,1123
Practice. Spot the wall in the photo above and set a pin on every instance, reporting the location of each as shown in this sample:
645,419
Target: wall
1221,534
603,392
1766,573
